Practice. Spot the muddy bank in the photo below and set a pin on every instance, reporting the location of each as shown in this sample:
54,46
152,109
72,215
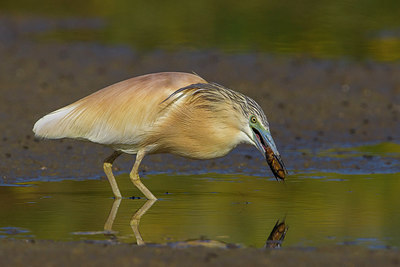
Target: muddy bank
50,253
310,103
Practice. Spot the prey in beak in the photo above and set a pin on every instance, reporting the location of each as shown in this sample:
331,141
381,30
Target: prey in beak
266,145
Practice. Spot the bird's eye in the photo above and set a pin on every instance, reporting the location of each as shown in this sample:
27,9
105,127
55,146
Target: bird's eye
253,119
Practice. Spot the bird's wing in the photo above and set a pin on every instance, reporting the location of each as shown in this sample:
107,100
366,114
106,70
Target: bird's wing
118,114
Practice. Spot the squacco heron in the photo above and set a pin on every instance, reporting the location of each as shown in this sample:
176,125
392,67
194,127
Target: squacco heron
171,112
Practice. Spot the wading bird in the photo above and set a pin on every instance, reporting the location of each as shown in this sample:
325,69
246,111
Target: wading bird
171,112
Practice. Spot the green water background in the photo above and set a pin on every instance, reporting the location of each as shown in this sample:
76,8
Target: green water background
355,29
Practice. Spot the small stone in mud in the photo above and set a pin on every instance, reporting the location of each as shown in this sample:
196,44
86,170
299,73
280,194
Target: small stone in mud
8,155
352,131
369,157
248,156
25,147
210,256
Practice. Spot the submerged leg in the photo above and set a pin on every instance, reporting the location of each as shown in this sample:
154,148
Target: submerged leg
134,175
107,165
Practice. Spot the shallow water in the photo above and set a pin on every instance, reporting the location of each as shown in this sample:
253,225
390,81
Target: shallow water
320,207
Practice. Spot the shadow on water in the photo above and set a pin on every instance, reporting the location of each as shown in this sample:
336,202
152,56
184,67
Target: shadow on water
322,208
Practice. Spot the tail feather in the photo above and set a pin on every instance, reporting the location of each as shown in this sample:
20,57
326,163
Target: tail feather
53,125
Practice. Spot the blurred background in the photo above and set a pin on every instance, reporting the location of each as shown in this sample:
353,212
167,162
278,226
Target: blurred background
355,29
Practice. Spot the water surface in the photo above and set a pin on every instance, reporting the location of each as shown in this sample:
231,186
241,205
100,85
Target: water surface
319,208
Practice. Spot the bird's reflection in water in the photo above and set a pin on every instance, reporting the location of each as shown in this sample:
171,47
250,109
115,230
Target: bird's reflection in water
277,235
275,239
110,220
134,221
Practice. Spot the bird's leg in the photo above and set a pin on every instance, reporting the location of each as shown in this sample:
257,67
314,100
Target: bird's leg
107,165
134,175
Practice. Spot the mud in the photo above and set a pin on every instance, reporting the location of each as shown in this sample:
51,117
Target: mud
309,102
14,253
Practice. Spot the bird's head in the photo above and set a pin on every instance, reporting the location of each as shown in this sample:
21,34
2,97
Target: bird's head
257,130
230,112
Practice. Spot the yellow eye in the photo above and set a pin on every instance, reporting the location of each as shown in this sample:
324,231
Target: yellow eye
253,119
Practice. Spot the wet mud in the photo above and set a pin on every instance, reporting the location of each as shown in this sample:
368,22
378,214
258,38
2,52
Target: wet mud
97,254
316,108
310,103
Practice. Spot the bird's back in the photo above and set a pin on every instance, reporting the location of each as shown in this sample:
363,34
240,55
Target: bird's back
117,114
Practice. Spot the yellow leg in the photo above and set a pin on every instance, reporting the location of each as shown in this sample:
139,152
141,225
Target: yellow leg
108,170
134,175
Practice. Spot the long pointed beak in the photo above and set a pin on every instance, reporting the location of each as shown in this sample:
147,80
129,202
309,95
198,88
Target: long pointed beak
266,145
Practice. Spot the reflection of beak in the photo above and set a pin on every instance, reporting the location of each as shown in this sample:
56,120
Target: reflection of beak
278,233
266,145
